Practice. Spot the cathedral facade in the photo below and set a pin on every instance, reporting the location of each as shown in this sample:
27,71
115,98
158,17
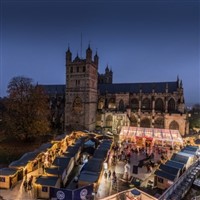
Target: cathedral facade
93,101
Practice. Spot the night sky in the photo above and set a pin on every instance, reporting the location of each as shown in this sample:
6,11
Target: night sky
142,41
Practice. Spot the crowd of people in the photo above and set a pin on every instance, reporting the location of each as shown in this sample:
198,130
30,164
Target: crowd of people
146,154
111,176
28,183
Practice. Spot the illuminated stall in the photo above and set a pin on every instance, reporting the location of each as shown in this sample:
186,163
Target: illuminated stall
26,163
91,173
8,177
61,166
43,184
151,136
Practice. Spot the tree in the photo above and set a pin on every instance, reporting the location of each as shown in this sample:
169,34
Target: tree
195,117
2,111
27,114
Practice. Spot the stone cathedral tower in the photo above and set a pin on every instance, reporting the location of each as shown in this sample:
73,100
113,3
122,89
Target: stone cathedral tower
81,90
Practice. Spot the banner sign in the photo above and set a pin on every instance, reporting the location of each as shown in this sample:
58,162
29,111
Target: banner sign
83,193
60,194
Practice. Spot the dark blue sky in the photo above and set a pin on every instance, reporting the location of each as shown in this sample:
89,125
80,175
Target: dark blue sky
143,41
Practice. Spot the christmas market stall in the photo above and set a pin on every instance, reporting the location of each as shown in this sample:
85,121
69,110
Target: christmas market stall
25,164
151,136
62,166
8,177
42,186
91,173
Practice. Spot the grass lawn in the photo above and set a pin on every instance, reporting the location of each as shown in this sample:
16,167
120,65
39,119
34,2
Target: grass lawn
12,149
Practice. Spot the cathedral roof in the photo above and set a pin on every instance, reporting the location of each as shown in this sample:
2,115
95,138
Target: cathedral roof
54,89
135,87
113,88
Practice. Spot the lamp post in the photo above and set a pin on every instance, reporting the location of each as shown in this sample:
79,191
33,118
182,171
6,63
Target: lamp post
128,114
102,128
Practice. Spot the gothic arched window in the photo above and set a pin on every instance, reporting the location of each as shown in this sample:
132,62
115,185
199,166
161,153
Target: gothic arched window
134,104
174,125
145,123
159,105
109,121
78,105
121,105
133,121
146,104
101,103
171,105
111,104
159,123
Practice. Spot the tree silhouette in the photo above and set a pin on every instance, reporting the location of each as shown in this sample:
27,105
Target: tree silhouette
27,111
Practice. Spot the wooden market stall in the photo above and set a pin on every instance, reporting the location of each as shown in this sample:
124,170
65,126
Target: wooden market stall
8,177
91,173
42,186
27,163
65,164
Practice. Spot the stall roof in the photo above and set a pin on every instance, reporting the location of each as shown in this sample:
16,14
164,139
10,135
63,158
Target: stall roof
191,148
45,147
93,165
7,171
89,143
60,137
165,175
104,146
175,164
73,149
78,145
89,150
188,152
185,154
47,180
62,161
55,170
180,158
22,162
81,139
100,153
169,169
89,177
107,140
69,154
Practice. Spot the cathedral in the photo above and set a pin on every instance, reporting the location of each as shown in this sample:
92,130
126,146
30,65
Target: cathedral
90,100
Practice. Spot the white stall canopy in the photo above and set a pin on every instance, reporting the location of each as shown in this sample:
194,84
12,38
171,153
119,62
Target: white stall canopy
155,134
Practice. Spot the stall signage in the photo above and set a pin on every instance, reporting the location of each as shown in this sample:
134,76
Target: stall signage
60,194
83,193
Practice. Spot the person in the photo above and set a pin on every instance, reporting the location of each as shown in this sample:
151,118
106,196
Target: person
25,172
114,181
113,174
43,170
109,174
105,175
25,184
76,179
30,183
